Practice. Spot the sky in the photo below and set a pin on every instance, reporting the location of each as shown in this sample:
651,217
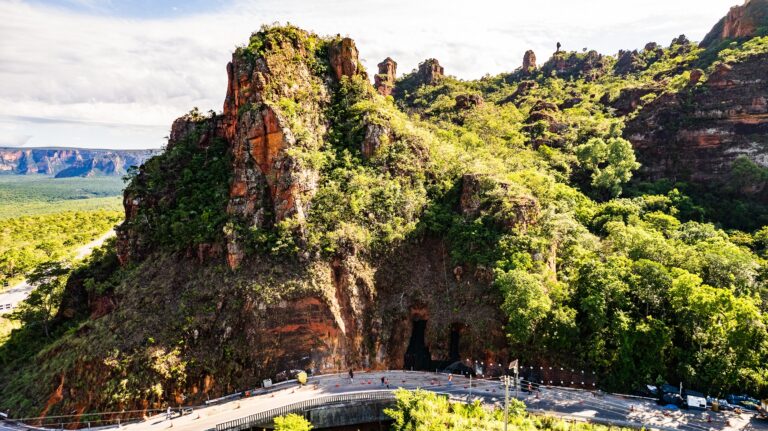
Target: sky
116,73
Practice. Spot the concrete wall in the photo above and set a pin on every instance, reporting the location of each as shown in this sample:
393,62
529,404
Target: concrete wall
341,415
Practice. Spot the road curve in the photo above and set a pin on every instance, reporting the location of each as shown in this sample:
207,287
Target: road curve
11,298
568,403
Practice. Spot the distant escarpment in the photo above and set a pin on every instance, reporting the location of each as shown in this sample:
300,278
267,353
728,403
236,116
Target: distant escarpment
70,162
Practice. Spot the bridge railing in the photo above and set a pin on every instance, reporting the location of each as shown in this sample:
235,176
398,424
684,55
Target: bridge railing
266,416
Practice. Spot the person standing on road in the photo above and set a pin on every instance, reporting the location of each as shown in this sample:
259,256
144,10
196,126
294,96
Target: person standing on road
382,380
450,379
351,376
168,414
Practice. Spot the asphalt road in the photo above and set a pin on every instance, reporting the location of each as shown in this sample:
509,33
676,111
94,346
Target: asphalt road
583,405
13,296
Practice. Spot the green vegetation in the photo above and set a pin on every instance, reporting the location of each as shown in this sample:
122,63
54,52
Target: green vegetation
426,411
27,242
588,277
292,422
197,182
40,307
38,195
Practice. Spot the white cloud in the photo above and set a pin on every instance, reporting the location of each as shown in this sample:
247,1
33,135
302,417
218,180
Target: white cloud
96,71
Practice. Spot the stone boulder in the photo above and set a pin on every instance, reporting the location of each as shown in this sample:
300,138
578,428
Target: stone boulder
696,75
468,101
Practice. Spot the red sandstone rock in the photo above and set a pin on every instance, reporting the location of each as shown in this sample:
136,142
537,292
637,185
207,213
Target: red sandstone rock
529,62
430,71
628,62
468,101
727,120
343,58
720,76
696,75
384,81
740,22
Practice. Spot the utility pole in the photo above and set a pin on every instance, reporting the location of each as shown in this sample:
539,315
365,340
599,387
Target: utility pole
506,380
470,385
517,394
514,366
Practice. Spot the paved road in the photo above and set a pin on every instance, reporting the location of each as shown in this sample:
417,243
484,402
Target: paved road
11,297
557,401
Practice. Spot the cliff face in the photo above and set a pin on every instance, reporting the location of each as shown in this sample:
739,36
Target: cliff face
740,22
697,134
328,313
70,162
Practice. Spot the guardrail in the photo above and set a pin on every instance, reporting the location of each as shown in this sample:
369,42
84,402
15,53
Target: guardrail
265,416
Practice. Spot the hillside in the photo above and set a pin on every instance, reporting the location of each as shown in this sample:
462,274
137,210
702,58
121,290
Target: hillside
70,162
594,211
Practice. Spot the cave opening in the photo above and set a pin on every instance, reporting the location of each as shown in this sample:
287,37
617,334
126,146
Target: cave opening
417,355
453,346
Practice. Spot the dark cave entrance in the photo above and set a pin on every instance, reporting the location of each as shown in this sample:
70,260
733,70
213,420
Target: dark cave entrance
417,355
453,346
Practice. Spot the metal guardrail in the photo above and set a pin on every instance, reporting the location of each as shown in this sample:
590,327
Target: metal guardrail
248,422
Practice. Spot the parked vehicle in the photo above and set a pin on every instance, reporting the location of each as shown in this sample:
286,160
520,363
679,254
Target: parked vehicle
762,411
459,368
287,375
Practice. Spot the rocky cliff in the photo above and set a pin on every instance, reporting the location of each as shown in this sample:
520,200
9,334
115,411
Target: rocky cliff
741,22
350,307
699,133
70,162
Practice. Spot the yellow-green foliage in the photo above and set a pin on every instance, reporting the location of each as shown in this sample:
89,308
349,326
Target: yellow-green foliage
426,411
737,52
292,422
28,241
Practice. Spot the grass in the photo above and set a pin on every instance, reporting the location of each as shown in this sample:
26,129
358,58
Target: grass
6,326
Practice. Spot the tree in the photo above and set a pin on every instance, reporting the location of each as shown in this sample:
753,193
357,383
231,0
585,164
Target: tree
610,162
43,302
292,422
526,303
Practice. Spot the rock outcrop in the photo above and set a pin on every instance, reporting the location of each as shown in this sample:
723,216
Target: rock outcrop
589,65
384,81
324,313
628,62
629,99
468,101
343,56
529,62
430,72
740,22
70,162
697,134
